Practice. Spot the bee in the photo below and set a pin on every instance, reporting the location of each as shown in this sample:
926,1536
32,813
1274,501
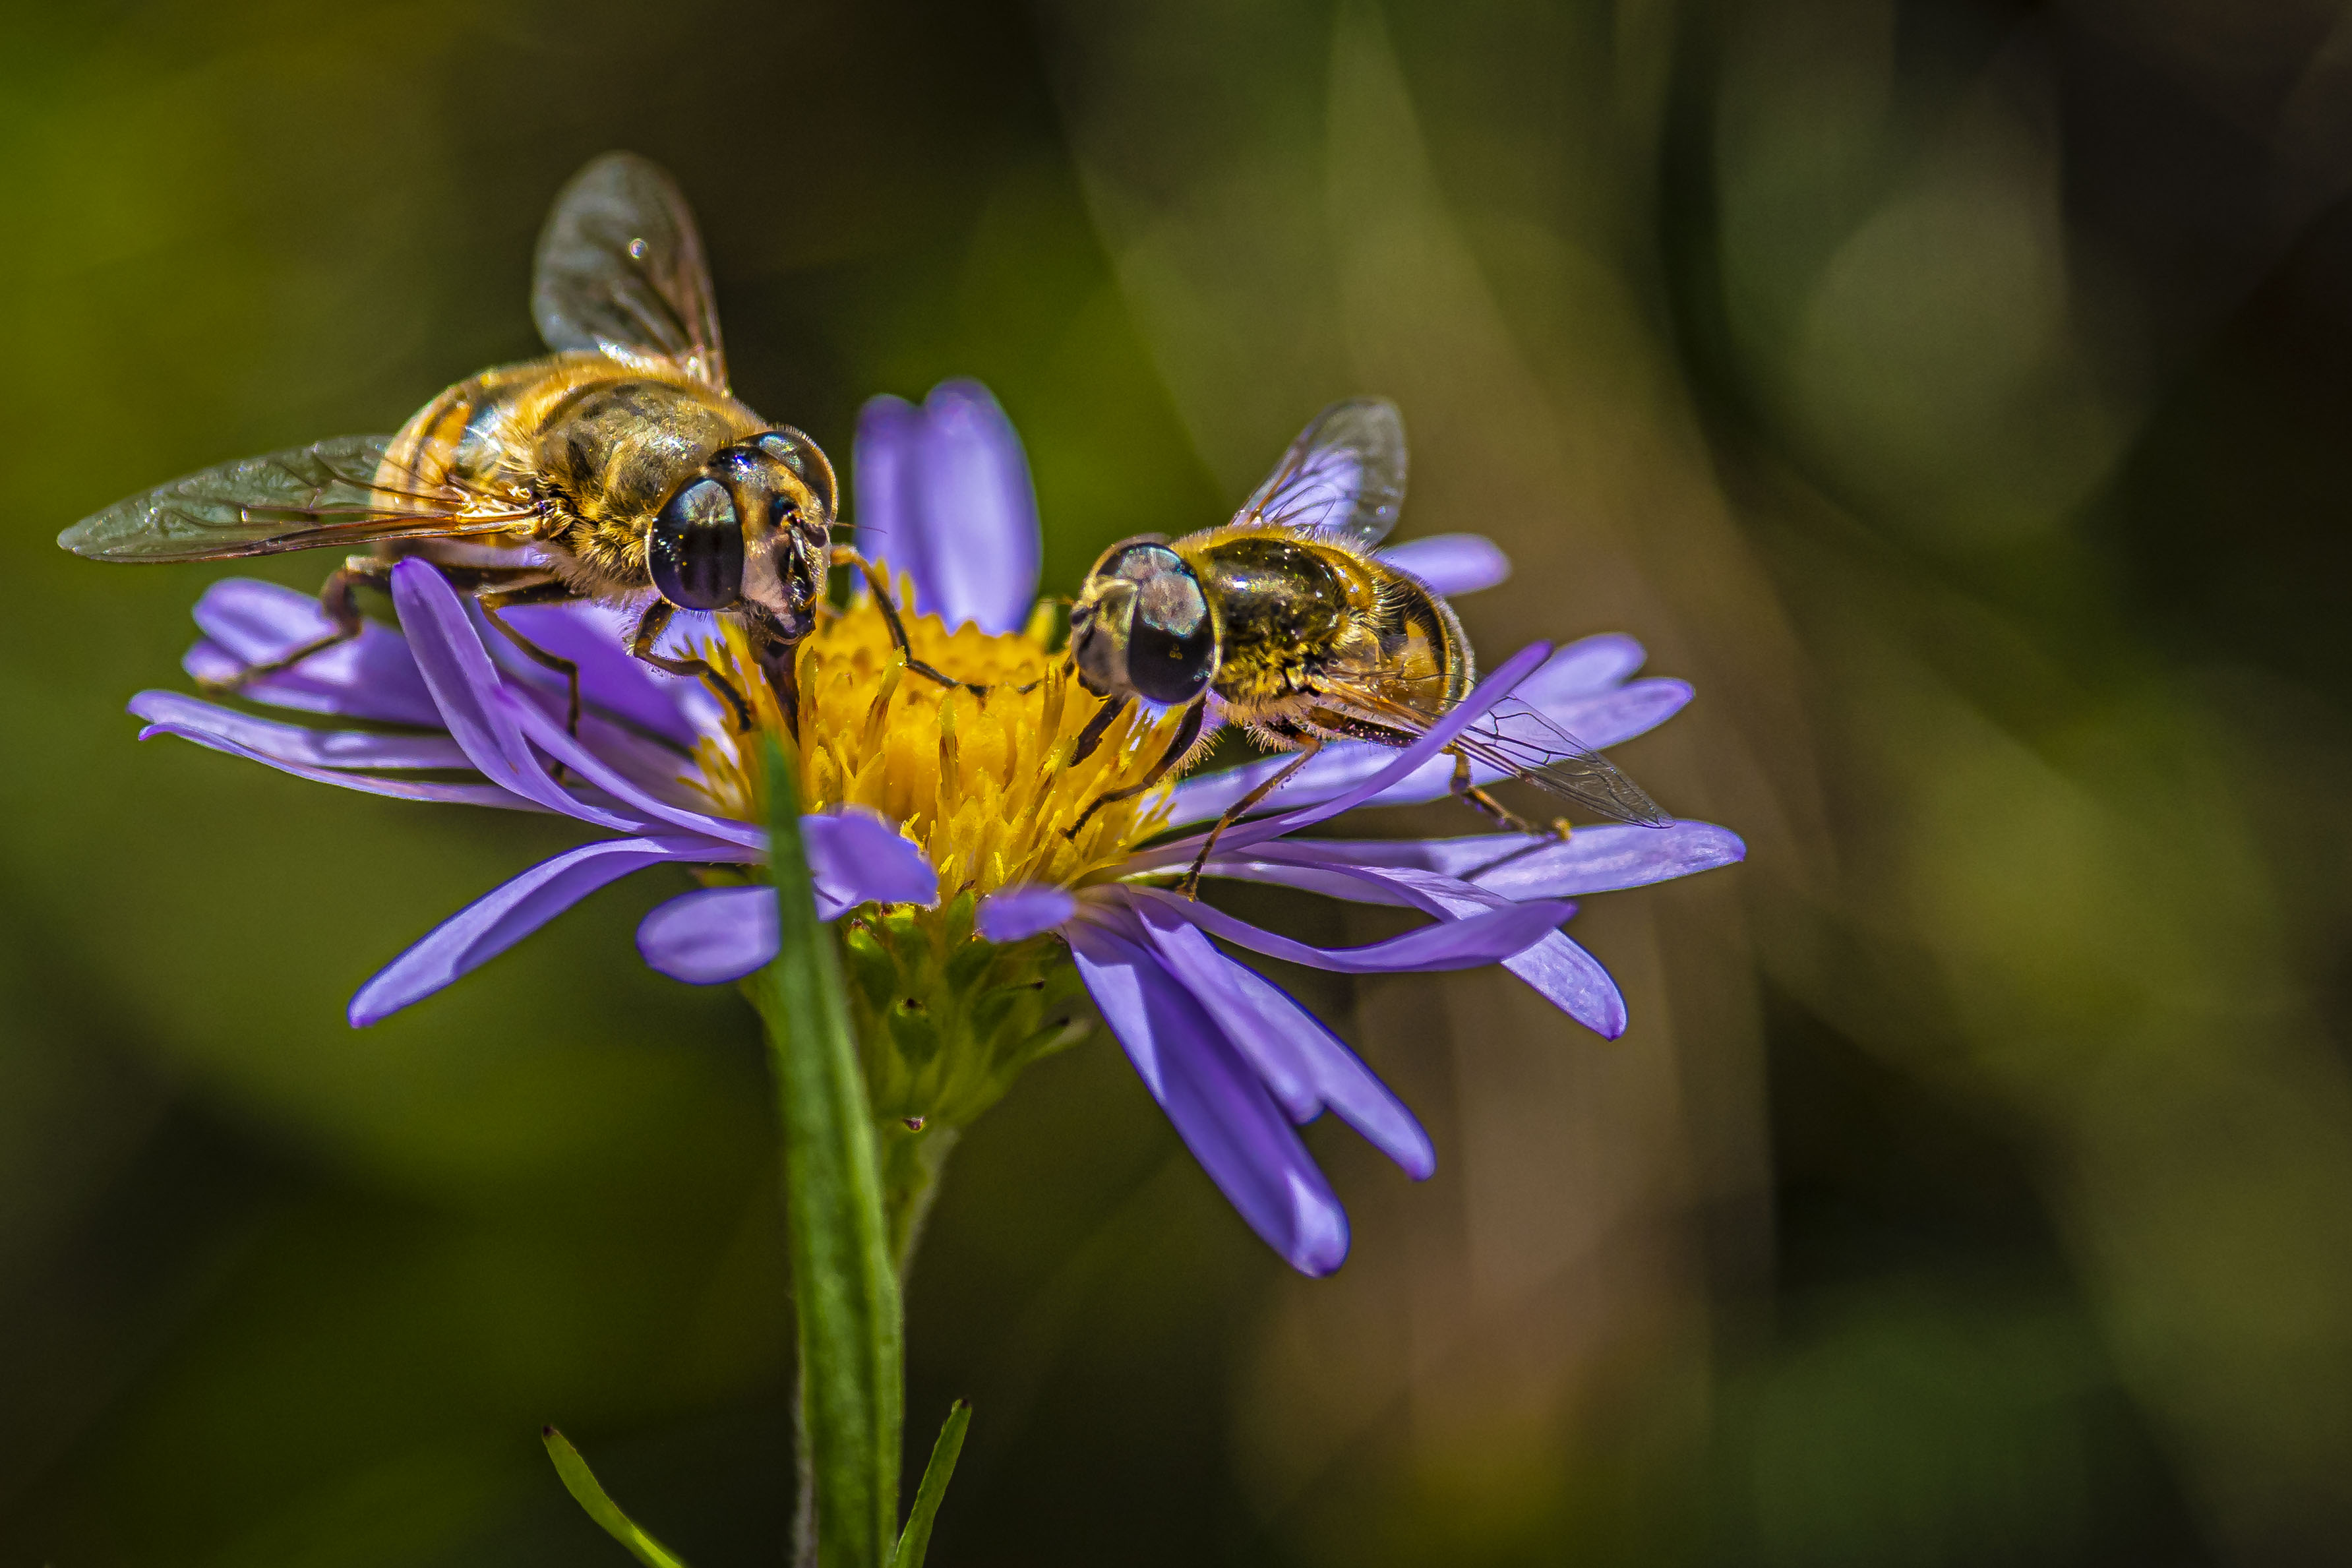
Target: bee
618,470
1304,636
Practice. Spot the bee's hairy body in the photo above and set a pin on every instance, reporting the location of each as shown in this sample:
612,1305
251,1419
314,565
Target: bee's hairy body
1299,620
1302,635
592,446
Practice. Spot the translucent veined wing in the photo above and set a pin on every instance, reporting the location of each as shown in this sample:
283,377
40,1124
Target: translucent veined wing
1344,476
621,272
1515,740
328,493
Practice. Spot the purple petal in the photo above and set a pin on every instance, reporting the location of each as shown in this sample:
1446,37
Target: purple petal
1602,860
1583,667
247,622
1015,914
1592,860
466,688
1304,1065
887,473
1219,1107
943,494
490,926
1565,974
612,680
858,857
1478,937
712,935
366,783
1573,981
1451,563
182,715
540,729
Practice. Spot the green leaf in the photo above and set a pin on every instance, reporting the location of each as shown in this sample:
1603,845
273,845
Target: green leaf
852,1372
581,1482
917,1539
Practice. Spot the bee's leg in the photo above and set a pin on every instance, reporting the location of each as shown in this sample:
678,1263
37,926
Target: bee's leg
650,626
1504,818
339,598
544,592
846,555
1096,728
1182,742
1309,743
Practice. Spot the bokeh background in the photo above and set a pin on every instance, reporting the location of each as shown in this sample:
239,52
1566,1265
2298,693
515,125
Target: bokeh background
1959,392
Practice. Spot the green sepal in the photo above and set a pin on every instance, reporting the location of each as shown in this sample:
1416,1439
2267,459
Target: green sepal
844,1287
917,1540
581,1482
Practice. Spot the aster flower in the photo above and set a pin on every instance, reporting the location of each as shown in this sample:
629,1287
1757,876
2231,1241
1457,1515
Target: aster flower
938,823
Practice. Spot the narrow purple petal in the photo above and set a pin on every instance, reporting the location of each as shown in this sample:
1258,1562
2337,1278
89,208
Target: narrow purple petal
1605,719
491,924
1583,667
1306,1066
1220,1108
1015,914
1451,563
943,494
1561,971
247,622
1591,861
1477,938
979,503
466,688
539,728
366,783
859,856
1603,859
611,680
886,474
712,935
181,714
1573,981
258,621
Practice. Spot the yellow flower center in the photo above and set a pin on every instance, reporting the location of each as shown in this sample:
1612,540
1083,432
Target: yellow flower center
984,782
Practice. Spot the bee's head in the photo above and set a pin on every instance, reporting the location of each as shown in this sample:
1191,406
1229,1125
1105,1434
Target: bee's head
749,529
1141,627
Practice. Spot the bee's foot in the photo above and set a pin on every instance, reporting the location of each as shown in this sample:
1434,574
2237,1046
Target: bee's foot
1560,829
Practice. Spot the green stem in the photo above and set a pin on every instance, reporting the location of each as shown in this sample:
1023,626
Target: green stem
845,1279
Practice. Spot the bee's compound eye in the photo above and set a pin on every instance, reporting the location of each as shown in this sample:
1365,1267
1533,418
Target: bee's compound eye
1171,645
696,551
808,463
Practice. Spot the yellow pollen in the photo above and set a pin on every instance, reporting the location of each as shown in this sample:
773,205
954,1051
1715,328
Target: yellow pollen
981,781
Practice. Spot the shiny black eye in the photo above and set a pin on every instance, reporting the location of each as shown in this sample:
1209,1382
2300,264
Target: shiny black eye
695,550
1171,647
808,463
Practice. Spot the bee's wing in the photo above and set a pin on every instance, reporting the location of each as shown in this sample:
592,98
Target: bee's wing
1520,742
620,272
329,493
1344,476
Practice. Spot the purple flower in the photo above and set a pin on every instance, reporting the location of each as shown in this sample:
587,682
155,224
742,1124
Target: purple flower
920,793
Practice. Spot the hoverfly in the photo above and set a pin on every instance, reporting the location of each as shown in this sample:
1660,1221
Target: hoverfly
1305,638
618,470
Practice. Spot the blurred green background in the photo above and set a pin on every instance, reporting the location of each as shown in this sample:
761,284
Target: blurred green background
1955,390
